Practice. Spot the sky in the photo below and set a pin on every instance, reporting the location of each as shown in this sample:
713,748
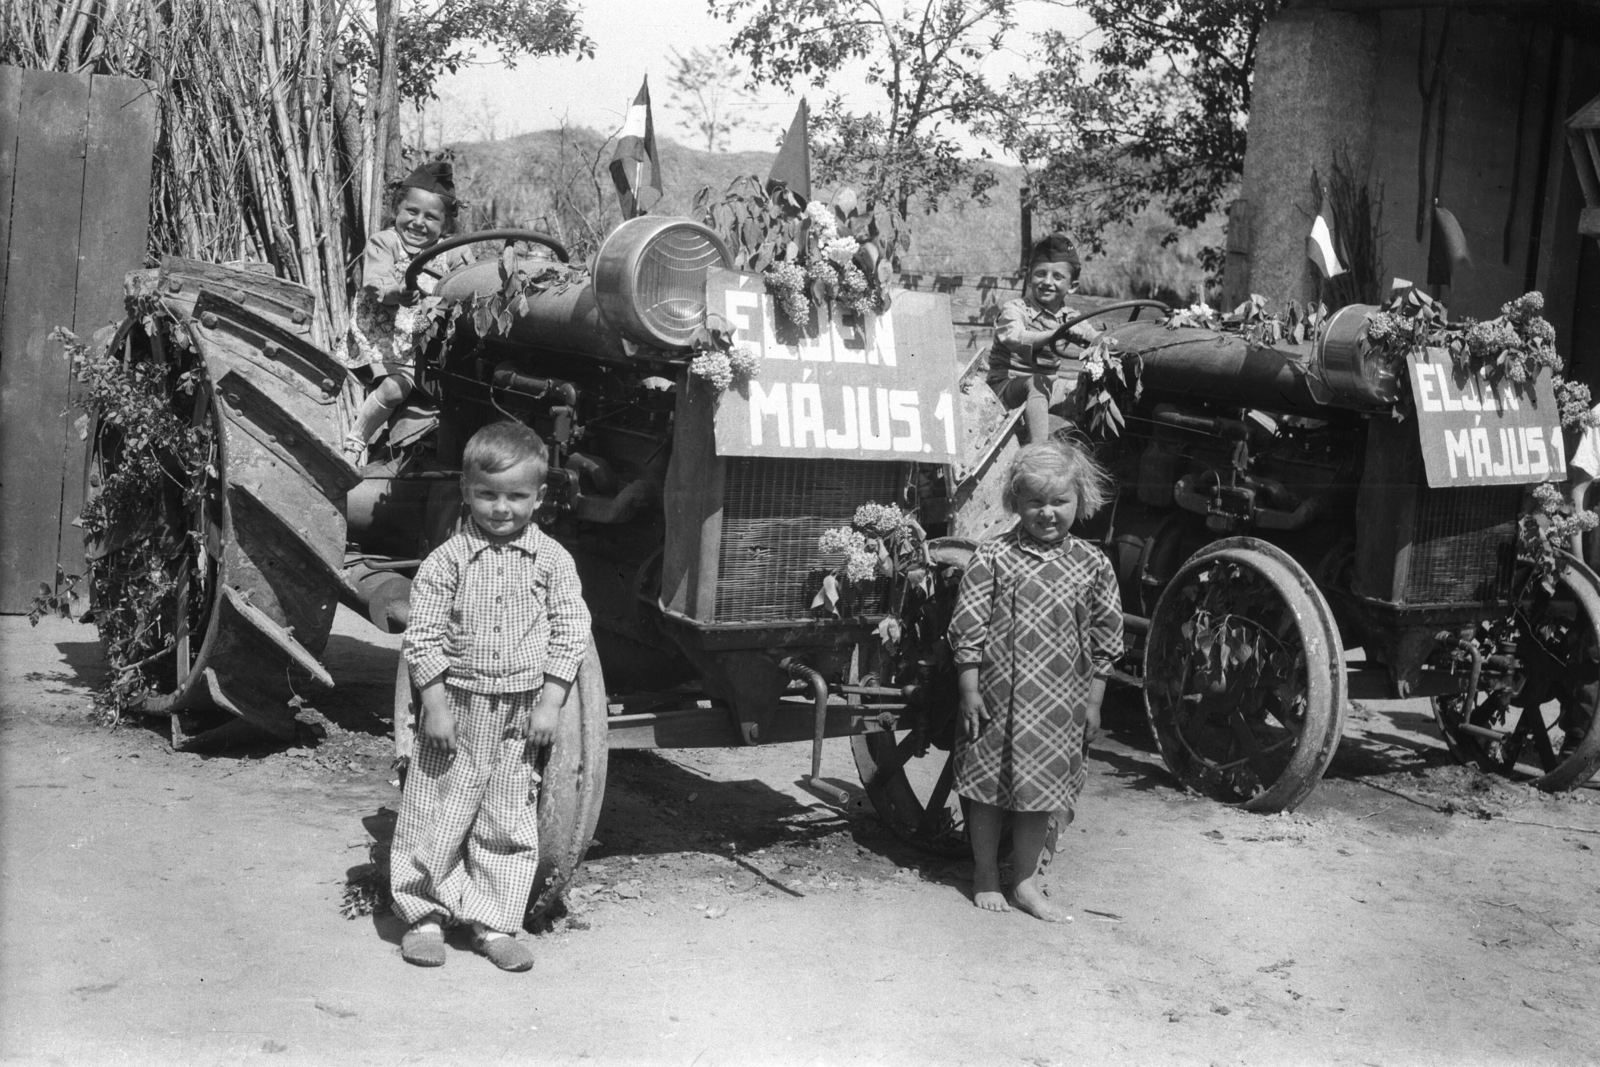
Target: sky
634,38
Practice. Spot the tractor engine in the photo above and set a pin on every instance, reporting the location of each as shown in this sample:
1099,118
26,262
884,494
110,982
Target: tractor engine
1297,445
695,567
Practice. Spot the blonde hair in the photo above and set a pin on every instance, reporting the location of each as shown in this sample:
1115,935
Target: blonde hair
500,446
1055,463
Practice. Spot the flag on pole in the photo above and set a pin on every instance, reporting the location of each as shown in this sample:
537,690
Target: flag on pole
1447,247
1319,246
792,168
636,146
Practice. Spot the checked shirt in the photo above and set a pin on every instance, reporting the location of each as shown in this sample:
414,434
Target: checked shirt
1041,621
499,617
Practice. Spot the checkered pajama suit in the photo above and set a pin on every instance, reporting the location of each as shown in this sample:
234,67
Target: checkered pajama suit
493,619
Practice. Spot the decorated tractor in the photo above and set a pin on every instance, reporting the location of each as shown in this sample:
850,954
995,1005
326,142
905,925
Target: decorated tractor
771,505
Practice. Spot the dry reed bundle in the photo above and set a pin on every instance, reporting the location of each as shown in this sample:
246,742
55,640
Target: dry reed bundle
266,141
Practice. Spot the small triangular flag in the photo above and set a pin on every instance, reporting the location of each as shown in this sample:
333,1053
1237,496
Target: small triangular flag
1319,246
636,146
1447,247
792,167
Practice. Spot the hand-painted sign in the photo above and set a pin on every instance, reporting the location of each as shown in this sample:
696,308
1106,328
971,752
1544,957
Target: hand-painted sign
1473,433
884,391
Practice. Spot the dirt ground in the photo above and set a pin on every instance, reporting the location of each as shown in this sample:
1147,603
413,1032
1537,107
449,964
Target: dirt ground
166,908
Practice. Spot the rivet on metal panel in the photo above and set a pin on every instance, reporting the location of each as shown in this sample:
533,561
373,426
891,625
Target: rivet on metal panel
208,320
175,286
327,385
271,350
239,295
299,318
233,401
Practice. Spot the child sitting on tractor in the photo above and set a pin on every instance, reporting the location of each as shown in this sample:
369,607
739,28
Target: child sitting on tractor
388,322
1027,363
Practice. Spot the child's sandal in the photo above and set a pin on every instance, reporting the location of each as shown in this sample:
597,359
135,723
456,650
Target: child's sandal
423,944
504,951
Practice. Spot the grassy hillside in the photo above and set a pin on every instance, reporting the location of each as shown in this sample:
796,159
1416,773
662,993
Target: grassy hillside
557,181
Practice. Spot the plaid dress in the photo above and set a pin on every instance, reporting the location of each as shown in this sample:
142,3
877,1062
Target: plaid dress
1041,621
493,619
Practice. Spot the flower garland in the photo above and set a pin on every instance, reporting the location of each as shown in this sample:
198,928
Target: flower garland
830,269
881,541
725,368
812,255
1544,534
1110,380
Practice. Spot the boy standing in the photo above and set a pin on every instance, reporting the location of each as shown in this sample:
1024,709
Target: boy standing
1025,362
498,630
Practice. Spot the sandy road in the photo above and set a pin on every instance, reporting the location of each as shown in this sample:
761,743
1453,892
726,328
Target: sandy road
171,909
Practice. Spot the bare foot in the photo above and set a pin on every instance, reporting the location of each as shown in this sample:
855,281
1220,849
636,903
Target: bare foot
1031,899
986,892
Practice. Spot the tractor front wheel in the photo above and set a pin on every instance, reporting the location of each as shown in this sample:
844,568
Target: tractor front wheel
1244,676
1551,728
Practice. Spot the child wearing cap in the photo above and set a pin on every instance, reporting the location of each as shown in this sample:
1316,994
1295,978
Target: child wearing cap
1026,364
387,323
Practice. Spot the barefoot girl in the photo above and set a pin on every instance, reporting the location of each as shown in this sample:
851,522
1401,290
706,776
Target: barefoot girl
1036,626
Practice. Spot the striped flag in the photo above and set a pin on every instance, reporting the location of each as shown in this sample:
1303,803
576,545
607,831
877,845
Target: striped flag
1319,246
636,146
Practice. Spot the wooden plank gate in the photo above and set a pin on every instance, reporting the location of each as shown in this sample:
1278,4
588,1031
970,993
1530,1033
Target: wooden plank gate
75,162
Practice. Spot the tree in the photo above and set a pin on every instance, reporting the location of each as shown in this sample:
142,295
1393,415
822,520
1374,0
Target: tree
1152,104
705,84
925,61
412,44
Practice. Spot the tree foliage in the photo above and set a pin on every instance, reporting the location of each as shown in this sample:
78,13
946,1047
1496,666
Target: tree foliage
706,86
440,38
1151,104
924,58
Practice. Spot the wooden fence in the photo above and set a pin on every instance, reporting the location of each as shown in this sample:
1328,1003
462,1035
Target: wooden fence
75,160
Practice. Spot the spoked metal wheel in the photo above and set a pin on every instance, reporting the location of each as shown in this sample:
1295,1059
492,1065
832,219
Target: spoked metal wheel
908,773
909,787
1244,676
1547,727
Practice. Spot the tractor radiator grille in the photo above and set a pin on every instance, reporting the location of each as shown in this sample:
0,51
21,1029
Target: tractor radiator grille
773,510
1463,545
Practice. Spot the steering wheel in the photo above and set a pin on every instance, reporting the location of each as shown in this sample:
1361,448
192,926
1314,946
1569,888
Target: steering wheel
432,252
1136,306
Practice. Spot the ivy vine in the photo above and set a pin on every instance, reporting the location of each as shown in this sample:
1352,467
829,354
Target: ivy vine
153,461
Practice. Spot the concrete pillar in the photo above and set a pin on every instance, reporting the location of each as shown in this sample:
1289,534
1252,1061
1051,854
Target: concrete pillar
1312,95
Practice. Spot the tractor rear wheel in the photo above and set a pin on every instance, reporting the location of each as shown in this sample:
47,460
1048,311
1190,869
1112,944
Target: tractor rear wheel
258,591
1244,676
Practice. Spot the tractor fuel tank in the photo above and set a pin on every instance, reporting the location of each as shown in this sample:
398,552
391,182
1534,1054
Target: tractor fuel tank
648,287
1338,369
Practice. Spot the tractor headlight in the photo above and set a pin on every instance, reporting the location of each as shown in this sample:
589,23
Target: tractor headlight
650,278
1349,370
